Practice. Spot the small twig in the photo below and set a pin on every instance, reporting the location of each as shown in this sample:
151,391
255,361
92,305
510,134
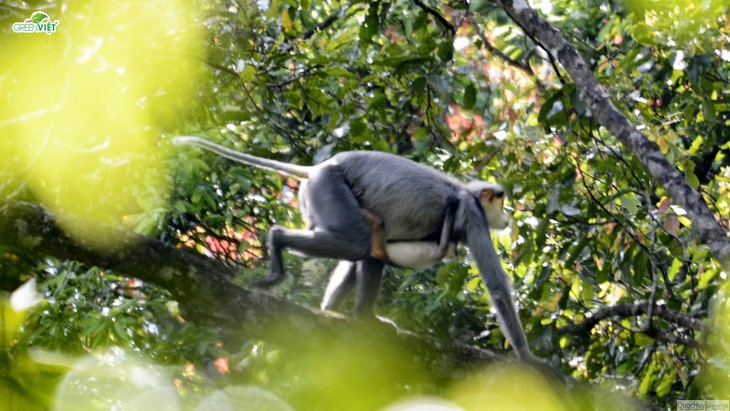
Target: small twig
629,230
433,12
430,121
649,326
646,359
554,65
324,24
535,40
639,181
212,64
523,65
302,74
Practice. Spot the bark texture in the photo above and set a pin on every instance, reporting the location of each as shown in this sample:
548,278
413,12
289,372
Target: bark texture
593,94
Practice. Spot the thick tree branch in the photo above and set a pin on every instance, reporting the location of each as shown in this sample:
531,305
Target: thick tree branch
206,294
626,310
592,93
202,288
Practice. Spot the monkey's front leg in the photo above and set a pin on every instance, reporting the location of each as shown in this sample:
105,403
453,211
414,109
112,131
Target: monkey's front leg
445,244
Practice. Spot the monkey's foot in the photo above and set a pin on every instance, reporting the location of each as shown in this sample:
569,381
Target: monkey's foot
271,279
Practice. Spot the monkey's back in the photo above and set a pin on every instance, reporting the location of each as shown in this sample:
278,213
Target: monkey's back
409,197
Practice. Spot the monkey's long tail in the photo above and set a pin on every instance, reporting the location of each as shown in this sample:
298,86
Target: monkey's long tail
265,163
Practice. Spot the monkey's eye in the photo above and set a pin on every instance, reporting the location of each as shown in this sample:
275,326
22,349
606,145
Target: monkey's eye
499,194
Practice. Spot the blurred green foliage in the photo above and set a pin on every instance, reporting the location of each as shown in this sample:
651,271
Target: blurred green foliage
301,80
111,63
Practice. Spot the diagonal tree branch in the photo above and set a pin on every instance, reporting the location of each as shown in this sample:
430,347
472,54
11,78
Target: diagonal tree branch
207,296
203,287
592,93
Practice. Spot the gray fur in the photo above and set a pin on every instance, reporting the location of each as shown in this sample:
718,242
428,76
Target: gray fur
410,198
265,163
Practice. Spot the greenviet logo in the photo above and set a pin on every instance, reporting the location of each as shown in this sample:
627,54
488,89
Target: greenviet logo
38,22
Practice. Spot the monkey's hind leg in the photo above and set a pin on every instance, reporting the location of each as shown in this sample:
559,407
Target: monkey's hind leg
369,274
365,275
340,285
341,233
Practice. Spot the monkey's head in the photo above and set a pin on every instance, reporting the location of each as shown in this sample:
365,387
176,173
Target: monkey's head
491,196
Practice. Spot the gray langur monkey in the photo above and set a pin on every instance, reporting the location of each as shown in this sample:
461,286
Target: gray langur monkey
410,254
410,198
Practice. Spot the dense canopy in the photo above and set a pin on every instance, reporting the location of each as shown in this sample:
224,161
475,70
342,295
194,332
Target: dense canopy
126,263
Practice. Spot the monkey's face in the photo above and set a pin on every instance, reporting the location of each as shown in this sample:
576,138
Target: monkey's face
492,200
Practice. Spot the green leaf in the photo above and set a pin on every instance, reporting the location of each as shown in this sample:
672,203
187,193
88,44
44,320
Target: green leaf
540,233
481,6
547,107
445,51
381,145
575,252
640,266
358,128
421,20
443,273
665,386
470,96
38,17
248,74
648,380
273,10
370,25
418,86
605,30
121,332
235,116
339,72
287,20
630,203
696,145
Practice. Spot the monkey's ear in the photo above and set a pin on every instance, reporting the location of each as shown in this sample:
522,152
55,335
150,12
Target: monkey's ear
490,194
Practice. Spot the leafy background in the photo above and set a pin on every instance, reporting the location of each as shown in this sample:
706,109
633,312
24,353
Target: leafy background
455,85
